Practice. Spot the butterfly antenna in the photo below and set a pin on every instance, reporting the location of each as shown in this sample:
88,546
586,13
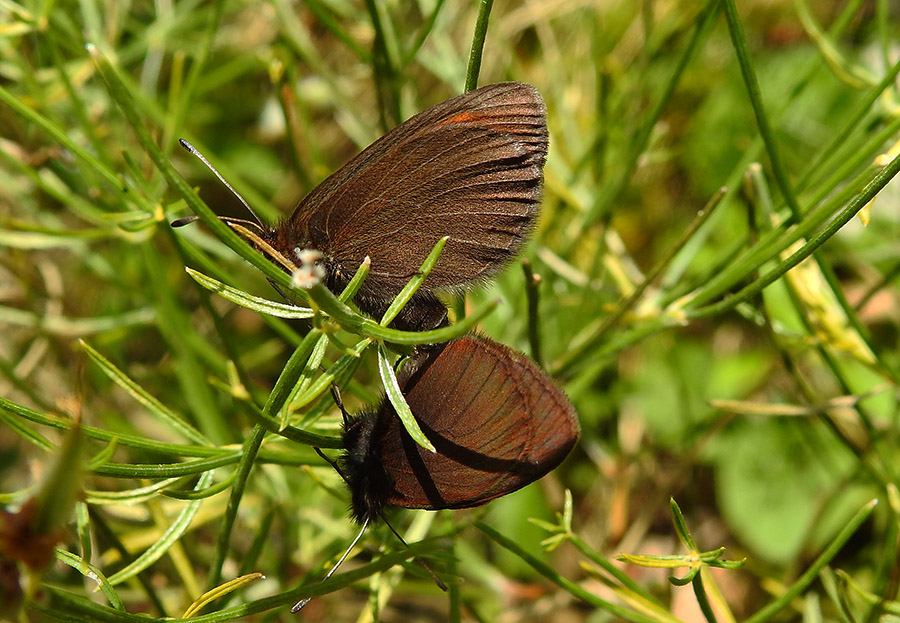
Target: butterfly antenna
280,291
336,395
302,603
192,150
434,577
336,467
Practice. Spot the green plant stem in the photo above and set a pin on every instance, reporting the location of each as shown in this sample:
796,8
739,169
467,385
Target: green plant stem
832,149
273,425
571,587
702,600
249,453
577,354
103,532
385,69
809,395
762,119
878,473
351,321
533,298
604,563
76,608
638,144
878,182
809,576
289,376
481,26
723,278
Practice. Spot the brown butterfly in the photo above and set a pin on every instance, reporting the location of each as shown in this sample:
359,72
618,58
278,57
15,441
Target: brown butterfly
470,168
497,421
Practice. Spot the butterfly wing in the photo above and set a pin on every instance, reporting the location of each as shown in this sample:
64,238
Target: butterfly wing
470,168
498,423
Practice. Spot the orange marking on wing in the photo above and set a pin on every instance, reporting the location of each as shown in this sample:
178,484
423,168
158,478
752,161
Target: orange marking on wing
465,116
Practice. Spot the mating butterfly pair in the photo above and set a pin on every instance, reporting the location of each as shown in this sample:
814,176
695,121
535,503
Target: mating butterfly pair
469,168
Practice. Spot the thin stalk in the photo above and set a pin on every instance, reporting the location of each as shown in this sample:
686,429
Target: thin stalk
475,53
762,118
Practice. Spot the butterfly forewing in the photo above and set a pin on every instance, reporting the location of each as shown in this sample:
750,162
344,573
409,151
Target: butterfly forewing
469,168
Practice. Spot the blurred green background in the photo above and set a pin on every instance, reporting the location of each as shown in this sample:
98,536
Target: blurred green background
763,401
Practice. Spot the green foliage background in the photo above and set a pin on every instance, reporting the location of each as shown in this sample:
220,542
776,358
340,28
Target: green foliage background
762,399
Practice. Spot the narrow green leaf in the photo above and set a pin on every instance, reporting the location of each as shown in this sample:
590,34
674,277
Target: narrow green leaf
688,577
324,381
92,573
26,433
812,572
200,494
365,326
105,455
220,591
258,304
137,495
292,433
413,284
306,376
186,468
877,181
169,537
125,439
75,327
681,528
356,281
657,562
395,395
845,70
143,397
83,529
75,607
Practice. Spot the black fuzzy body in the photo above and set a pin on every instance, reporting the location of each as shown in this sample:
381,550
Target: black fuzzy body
370,486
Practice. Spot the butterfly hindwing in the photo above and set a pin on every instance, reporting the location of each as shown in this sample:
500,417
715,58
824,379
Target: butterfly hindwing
497,422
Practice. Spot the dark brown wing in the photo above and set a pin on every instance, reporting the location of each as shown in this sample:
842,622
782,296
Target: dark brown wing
498,423
470,168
